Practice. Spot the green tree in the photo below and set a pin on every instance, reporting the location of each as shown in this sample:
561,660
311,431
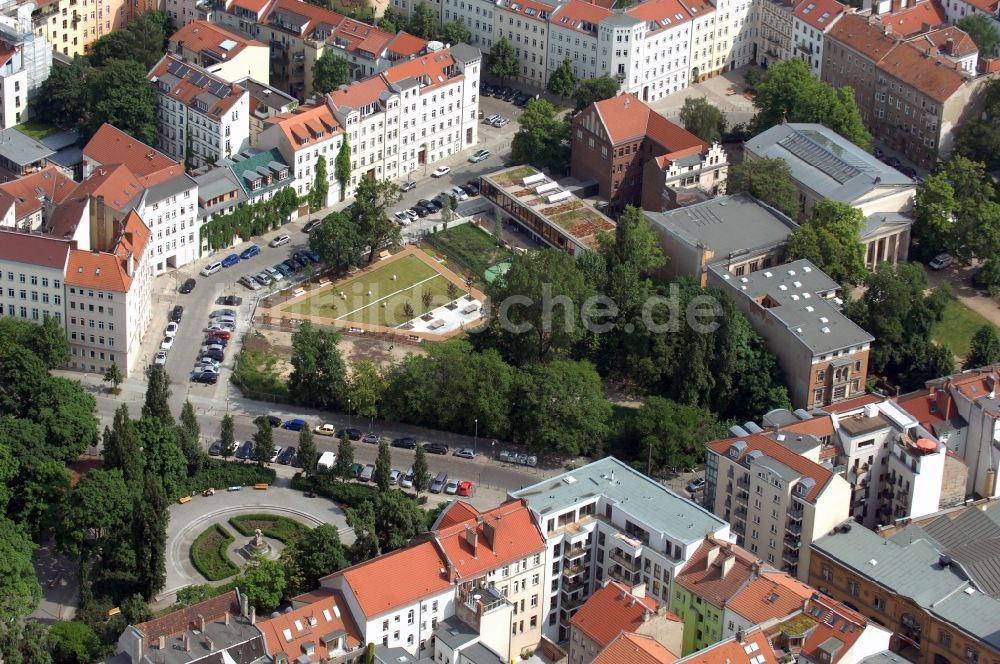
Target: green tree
8,471
563,81
398,519
318,372
455,32
985,348
62,98
542,137
423,22
365,388
372,199
672,435
592,90
503,61
98,513
263,582
420,470
227,436
189,437
983,32
163,455
307,451
933,216
338,242
978,139
790,92
67,413
383,466
703,119
19,589
74,643
370,654
831,239
392,20
48,342
121,95
320,187
122,449
330,71
345,459
157,403
768,179
142,40
634,242
342,168
361,520
263,443
41,500
149,538
27,643
319,552
561,408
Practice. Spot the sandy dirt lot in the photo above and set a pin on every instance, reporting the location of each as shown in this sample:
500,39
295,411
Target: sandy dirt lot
353,348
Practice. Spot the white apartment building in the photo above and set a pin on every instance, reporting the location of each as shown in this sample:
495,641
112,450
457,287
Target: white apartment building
606,520
32,268
477,15
202,117
664,49
370,112
109,300
25,62
775,25
573,29
525,23
702,56
813,19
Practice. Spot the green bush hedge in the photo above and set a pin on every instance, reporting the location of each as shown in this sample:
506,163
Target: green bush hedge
257,378
208,554
219,474
348,494
280,528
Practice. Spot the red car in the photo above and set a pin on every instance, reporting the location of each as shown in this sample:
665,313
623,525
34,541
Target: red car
222,334
465,488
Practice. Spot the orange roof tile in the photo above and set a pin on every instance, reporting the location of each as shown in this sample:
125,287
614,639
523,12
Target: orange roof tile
918,18
6,53
502,535
626,118
457,511
434,68
357,95
706,577
34,249
819,14
254,7
352,36
577,12
407,45
819,426
833,620
660,10
185,90
527,8
961,44
110,145
754,645
771,595
869,40
108,270
635,649
775,450
928,409
852,404
936,78
415,572
316,15
611,611
199,36
115,183
187,618
988,6
28,192
326,616
307,125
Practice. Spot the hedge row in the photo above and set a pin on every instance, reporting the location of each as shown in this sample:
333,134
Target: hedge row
219,474
280,528
347,494
208,554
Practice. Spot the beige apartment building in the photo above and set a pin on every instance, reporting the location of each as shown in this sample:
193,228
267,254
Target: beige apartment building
72,25
524,25
221,52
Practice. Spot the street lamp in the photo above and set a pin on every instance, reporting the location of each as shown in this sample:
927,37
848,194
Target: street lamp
348,413
475,439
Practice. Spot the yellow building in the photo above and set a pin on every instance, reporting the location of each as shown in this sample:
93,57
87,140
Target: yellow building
72,25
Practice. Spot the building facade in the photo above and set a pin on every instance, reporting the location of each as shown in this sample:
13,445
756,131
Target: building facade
813,20
32,269
221,52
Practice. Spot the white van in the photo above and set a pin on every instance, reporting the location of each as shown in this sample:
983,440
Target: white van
211,269
326,460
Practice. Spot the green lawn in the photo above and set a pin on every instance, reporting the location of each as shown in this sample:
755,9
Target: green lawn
37,130
280,528
471,246
208,554
957,327
365,295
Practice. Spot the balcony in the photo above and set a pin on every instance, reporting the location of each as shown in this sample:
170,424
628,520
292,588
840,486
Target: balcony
570,587
793,543
743,496
575,553
628,563
741,512
573,602
790,557
570,571
793,529
795,515
623,576
743,483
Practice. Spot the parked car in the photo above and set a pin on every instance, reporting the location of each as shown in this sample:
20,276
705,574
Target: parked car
220,327
301,260
220,313
406,481
459,193
291,265
311,255
207,347
222,320
282,269
160,358
488,120
471,188
401,217
436,448
230,260
294,424
451,488
465,453
187,286
276,453
248,281
245,450
696,485
941,261
177,313
280,240
311,225
408,185
171,329
211,269
250,252
441,171
421,211
372,438
325,430
272,420
263,278
217,355
211,339
411,214
167,343
465,488
437,485
356,469
215,449
206,377
501,123
480,155
368,472
221,334
406,443
394,476
352,434
206,368
231,301
287,456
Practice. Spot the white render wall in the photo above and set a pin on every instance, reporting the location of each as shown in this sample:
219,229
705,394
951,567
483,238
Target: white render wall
174,227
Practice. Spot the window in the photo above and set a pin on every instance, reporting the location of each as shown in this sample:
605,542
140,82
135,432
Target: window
827,573
852,588
879,602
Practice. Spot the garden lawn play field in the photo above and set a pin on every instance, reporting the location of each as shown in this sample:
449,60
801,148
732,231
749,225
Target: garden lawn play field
957,327
375,298
471,246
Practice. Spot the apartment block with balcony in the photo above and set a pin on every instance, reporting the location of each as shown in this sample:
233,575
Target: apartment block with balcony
775,25
476,15
777,499
71,26
303,136
297,33
606,520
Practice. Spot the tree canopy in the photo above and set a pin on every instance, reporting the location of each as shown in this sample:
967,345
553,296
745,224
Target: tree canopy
318,371
768,179
562,81
338,242
502,62
983,32
121,95
703,119
542,138
599,88
330,71
831,239
985,347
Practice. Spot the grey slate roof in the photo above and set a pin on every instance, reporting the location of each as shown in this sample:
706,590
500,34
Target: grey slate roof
913,570
633,492
727,225
825,162
171,187
454,633
480,654
885,657
881,221
464,53
798,288
21,149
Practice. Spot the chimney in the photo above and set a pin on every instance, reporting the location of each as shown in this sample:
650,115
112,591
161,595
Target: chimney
471,538
639,590
490,535
949,46
243,604
162,642
727,565
710,557
201,622
740,635
226,619
253,615
646,616
209,644
187,642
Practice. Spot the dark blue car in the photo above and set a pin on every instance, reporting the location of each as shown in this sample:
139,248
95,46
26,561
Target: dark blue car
245,450
294,424
230,260
249,252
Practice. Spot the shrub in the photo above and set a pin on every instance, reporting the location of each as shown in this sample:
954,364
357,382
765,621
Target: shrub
256,377
280,528
348,494
208,554
219,474
196,594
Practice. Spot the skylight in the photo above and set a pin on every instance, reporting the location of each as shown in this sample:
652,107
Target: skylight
809,8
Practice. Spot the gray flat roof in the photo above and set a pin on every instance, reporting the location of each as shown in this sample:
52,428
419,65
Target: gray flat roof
728,225
480,654
465,53
21,148
914,571
646,500
454,633
796,290
885,657
384,655
171,187
825,162
265,94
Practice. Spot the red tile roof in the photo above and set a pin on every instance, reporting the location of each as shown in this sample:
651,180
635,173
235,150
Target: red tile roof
526,8
936,78
108,270
407,45
33,249
28,192
501,535
115,183
355,36
360,94
930,409
574,13
255,7
316,15
326,615
434,69
612,610
857,33
186,91
111,145
771,595
706,575
775,450
457,511
819,426
6,53
973,385
918,18
852,404
754,645
833,620
626,118
199,36
635,649
819,14
415,572
988,6
960,46
307,125
660,10
187,618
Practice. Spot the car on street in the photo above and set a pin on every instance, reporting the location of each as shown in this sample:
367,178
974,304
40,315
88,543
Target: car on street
301,260
211,269
245,450
282,269
294,424
216,355
352,434
465,453
263,278
160,358
177,313
219,313
941,261
214,340
222,320
465,488
406,481
221,334
311,225
287,456
408,185
451,488
248,281
207,347
231,301
438,483
230,260
406,443
250,252
435,448
480,156
272,420
167,343
401,217
206,377
325,430
274,273
368,472
441,171
291,265
171,329
187,286
372,438
421,211
276,453
459,193
471,188
394,476
207,368
215,449
220,327
280,240
696,485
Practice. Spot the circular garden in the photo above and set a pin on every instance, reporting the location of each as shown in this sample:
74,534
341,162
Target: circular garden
215,552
